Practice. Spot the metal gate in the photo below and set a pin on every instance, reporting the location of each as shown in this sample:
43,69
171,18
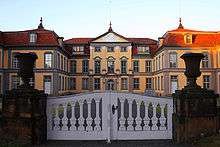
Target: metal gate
109,116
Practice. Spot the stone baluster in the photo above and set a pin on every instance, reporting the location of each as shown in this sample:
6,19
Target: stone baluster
97,118
81,119
56,119
89,118
65,119
154,118
122,118
138,118
146,118
130,118
162,118
73,119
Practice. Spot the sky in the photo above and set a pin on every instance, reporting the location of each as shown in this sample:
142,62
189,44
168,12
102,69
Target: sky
90,18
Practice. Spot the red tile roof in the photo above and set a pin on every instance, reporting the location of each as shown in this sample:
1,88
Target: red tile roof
78,41
21,38
199,38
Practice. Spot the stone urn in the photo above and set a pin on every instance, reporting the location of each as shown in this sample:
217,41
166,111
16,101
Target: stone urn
26,64
192,62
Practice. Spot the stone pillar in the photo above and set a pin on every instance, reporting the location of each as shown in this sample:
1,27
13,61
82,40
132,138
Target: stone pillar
195,108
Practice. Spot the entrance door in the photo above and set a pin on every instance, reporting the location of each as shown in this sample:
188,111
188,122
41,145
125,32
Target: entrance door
47,84
174,84
110,85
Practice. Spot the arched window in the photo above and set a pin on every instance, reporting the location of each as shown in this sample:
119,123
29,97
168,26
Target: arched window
111,64
97,65
124,65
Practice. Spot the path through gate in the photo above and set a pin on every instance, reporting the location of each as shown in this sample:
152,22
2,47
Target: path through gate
109,116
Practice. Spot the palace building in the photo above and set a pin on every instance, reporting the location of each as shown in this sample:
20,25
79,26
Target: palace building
110,61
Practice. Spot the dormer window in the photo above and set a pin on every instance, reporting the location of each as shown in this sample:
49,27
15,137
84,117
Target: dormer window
33,37
188,38
143,50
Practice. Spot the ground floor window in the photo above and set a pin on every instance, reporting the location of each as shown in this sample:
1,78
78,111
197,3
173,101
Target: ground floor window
15,81
85,83
136,83
124,84
174,83
97,84
47,85
0,84
148,83
72,83
206,81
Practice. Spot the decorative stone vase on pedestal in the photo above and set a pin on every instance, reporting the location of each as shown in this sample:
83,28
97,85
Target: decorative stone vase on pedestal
195,108
24,108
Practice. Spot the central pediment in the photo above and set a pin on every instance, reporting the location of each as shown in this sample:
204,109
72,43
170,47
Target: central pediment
110,37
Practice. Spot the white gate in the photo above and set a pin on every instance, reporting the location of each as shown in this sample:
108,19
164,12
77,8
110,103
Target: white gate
109,116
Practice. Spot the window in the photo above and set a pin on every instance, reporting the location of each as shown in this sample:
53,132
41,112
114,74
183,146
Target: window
136,83
14,61
31,82
47,85
148,66
97,65
96,84
158,83
123,66
65,63
136,66
85,66
110,49
72,83
78,49
97,49
143,50
123,49
174,83
33,37
15,81
148,83
206,81
111,66
159,63
48,60
63,83
124,84
188,38
85,83
59,83
205,61
0,59
162,86
61,62
73,66
173,60
58,61
0,84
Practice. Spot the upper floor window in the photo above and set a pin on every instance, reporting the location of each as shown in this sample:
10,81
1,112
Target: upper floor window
97,65
72,83
111,66
97,49
85,66
124,66
58,61
148,66
110,49
206,81
205,60
48,60
78,48
136,66
14,61
123,49
33,37
173,60
73,66
188,38
143,49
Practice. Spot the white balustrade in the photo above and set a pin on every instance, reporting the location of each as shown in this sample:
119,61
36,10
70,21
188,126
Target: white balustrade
65,119
122,118
81,119
154,118
138,118
146,118
56,119
89,118
97,118
130,118
162,117
73,119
